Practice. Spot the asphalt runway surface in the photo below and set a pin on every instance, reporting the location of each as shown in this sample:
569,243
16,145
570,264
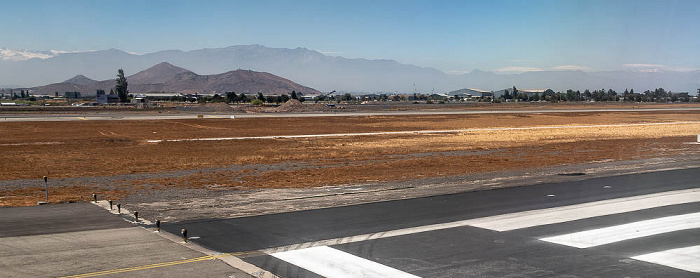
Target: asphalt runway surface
641,225
91,116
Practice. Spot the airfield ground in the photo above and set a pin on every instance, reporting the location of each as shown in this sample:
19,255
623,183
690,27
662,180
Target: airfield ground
115,159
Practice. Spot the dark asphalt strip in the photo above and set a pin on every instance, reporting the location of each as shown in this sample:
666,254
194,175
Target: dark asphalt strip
260,232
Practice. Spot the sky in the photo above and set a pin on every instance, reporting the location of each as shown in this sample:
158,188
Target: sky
452,36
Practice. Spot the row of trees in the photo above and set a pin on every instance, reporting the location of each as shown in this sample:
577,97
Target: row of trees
260,98
657,95
233,97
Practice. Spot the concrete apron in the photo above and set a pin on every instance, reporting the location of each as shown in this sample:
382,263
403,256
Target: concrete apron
229,259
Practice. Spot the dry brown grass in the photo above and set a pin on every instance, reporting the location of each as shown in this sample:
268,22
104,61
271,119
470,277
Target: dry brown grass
96,148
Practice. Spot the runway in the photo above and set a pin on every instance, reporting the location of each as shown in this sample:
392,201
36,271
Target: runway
642,225
113,116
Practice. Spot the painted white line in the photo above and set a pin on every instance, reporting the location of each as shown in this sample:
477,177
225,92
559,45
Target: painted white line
607,235
526,219
533,218
32,143
329,262
687,258
105,205
413,132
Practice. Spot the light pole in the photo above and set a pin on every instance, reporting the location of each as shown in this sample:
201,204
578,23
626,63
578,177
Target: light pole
46,188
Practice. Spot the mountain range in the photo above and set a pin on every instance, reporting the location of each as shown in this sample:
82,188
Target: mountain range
324,72
165,77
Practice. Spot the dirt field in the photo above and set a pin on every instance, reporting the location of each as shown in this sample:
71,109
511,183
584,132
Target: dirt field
118,154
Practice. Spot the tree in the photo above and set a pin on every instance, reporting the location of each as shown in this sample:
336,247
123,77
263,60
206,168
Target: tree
601,96
217,98
348,97
548,93
611,95
284,97
570,95
231,97
294,95
122,86
587,94
260,96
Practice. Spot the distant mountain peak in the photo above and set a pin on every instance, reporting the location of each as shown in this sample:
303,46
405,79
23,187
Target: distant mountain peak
166,65
156,74
165,77
80,80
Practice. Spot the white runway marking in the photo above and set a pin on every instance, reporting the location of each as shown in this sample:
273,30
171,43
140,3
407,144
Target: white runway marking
32,143
412,132
533,218
527,219
607,235
687,258
329,262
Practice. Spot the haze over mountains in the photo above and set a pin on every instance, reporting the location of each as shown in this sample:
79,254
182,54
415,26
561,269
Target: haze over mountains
322,72
165,77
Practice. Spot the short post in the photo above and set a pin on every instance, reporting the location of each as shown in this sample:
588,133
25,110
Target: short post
119,208
184,235
136,215
46,184
94,197
110,204
158,225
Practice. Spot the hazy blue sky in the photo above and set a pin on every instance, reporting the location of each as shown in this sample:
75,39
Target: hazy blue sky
453,36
